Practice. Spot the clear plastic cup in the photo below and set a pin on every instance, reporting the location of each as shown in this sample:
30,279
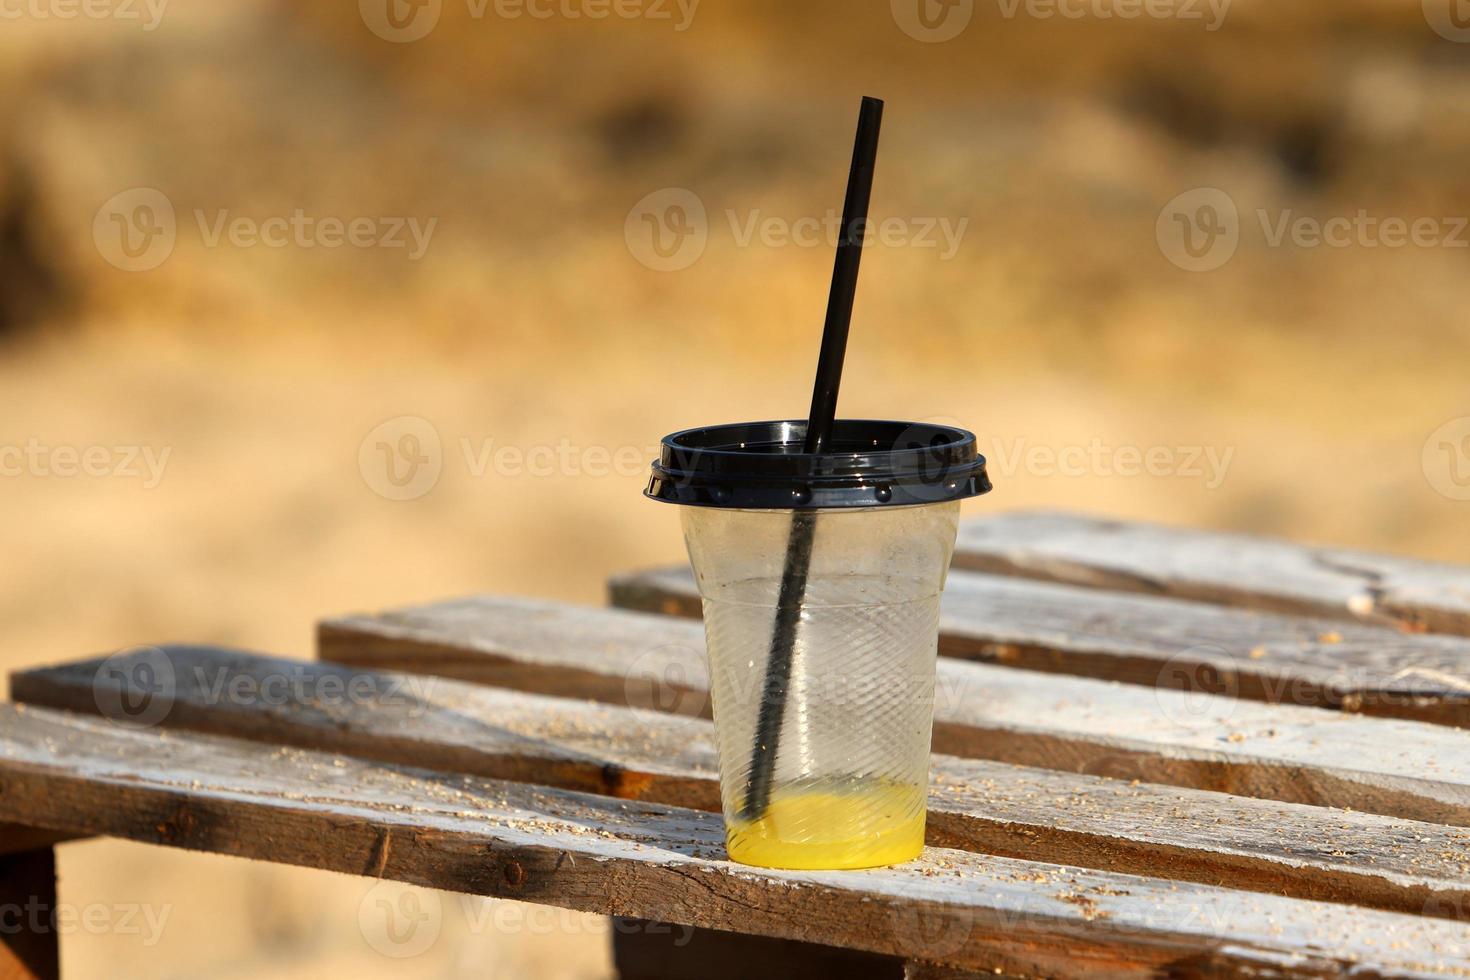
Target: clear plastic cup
831,770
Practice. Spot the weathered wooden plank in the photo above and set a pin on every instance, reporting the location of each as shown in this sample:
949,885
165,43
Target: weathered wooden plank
1233,569
29,937
1168,643
410,719
620,857
435,723
1296,755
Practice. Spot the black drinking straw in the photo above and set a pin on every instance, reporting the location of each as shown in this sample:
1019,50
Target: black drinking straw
818,437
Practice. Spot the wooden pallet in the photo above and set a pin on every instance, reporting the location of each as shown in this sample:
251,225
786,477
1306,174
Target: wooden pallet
1083,821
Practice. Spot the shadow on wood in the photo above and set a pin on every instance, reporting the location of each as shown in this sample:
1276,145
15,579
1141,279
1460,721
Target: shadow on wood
28,941
658,951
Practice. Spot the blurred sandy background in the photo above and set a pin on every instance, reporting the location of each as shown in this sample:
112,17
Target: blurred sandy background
529,324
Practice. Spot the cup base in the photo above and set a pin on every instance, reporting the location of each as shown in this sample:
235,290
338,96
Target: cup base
808,830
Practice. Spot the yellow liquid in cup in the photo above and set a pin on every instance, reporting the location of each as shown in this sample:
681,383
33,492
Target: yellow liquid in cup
874,825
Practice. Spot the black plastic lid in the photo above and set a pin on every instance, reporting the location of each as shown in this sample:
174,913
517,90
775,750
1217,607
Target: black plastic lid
761,466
